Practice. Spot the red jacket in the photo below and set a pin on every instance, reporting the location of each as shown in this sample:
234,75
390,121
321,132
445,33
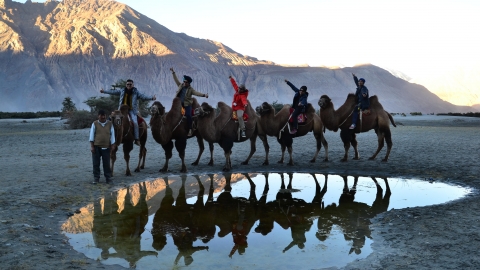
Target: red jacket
240,99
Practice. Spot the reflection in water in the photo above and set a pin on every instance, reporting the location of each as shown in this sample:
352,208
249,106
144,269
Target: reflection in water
120,219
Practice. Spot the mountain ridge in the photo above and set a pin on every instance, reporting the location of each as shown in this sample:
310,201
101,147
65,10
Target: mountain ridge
52,50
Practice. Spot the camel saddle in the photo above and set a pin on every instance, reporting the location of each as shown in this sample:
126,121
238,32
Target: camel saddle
302,118
235,117
140,120
183,112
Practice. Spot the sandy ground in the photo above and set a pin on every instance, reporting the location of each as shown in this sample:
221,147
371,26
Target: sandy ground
46,173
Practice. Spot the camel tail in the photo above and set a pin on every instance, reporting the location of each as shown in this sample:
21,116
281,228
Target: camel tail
391,119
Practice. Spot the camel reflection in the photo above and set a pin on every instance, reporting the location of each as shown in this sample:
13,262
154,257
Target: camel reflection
121,230
186,223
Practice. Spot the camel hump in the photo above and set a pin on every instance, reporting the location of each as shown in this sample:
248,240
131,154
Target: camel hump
310,108
375,103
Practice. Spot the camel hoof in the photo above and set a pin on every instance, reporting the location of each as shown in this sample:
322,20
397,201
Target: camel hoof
128,173
343,160
371,158
325,159
225,169
280,162
356,158
290,163
137,170
265,163
244,163
312,161
195,163
142,167
163,170
210,163
183,170
384,160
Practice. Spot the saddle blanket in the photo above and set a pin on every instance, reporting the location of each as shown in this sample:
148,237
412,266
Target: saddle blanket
302,118
183,112
235,117
140,120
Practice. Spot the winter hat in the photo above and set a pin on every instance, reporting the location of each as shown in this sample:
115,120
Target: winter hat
362,79
304,88
187,78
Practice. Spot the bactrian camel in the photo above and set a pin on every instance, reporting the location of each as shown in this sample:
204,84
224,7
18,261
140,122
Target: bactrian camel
223,130
378,119
275,124
124,135
170,126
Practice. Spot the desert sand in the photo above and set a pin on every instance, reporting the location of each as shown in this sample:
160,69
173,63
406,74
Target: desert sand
46,173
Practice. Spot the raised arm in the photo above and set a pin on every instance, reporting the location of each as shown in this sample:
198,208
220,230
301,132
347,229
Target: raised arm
111,92
175,77
355,79
234,83
295,89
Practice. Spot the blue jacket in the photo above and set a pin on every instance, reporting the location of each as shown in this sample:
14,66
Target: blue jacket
136,95
363,101
298,98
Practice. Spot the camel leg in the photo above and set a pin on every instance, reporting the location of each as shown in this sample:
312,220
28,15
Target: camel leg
290,178
319,146
290,153
181,144
141,157
201,145
388,139
355,146
325,146
380,138
168,147
267,148
113,158
228,164
210,145
283,154
345,136
253,148
127,147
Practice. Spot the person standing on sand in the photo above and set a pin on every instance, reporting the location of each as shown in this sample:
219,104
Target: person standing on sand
363,99
130,96
102,141
239,103
185,92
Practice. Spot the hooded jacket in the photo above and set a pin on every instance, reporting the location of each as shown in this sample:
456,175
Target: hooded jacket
239,99
188,101
363,101
298,98
136,95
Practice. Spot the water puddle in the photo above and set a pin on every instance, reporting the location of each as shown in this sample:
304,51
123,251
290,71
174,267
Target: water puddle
254,221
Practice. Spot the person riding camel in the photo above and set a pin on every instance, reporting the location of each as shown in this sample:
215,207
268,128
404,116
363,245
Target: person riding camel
130,96
185,92
239,103
363,100
299,104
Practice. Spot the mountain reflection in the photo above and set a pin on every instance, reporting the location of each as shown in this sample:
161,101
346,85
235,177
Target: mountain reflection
193,218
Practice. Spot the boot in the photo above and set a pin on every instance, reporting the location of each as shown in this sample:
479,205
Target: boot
242,133
136,142
190,133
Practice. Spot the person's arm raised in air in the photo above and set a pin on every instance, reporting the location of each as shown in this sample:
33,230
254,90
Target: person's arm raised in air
294,88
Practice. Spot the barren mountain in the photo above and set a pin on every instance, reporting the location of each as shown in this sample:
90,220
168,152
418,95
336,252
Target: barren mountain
52,50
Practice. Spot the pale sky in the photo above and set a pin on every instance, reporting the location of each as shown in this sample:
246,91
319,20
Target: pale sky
417,37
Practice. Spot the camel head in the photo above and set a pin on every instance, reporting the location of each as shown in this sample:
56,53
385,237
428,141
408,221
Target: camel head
264,108
203,110
157,109
117,118
324,101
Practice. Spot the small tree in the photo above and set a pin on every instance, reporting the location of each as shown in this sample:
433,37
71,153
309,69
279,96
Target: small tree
68,107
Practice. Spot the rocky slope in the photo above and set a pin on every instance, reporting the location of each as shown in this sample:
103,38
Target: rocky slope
52,50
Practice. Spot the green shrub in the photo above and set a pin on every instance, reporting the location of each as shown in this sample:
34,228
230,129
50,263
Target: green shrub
81,119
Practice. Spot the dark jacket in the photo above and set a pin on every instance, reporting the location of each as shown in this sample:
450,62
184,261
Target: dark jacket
363,101
298,98
188,101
